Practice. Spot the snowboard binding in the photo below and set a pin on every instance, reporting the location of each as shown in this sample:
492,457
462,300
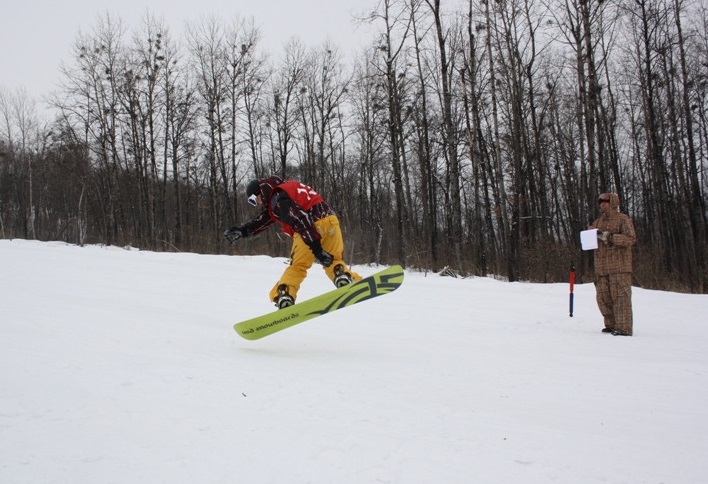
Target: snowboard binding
283,299
341,278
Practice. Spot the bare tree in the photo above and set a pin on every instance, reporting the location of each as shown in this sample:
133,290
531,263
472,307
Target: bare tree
286,83
396,19
450,140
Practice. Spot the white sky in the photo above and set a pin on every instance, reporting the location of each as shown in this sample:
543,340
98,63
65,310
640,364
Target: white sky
36,35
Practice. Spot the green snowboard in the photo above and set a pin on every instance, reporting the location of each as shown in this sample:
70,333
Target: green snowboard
378,284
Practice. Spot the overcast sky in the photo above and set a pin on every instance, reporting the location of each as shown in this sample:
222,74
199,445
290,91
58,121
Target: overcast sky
36,35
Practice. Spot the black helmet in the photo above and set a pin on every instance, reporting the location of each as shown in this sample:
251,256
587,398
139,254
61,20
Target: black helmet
253,188
263,188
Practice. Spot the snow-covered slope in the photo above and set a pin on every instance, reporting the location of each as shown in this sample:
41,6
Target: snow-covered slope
122,366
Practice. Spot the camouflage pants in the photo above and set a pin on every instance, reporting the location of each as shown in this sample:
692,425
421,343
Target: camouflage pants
614,298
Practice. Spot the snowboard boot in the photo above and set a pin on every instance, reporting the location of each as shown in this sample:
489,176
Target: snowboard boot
283,299
620,333
341,278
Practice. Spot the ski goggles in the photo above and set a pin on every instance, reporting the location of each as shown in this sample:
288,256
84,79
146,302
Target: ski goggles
253,200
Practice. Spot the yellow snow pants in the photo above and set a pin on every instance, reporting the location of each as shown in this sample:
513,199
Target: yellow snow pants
302,258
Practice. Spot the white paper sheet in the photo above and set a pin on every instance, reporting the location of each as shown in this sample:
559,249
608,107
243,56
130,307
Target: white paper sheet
588,239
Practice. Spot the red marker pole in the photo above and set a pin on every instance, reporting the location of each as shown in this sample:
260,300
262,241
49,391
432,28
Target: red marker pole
572,286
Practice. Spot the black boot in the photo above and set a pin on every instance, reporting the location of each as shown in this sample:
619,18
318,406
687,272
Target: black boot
341,278
283,299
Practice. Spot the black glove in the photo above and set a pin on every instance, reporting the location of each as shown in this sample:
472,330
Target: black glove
233,234
322,256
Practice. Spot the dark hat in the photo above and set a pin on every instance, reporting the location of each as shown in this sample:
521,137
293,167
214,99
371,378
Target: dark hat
253,188
263,187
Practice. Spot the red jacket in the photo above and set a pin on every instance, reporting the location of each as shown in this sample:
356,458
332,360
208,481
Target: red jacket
294,205
303,198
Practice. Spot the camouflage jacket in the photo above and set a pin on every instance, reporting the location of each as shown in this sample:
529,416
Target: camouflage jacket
615,256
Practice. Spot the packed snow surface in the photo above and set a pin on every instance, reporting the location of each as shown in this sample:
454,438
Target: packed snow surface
122,366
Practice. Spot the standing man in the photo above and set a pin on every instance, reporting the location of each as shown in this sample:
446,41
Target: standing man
613,265
305,216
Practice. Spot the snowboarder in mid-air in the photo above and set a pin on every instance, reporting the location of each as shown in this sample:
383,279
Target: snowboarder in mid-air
305,216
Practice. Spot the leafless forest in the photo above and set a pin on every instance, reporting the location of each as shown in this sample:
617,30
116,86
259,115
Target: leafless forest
477,140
